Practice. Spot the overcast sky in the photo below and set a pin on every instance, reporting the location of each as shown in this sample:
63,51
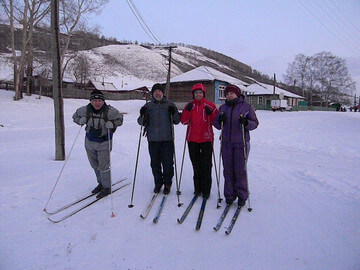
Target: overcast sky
262,33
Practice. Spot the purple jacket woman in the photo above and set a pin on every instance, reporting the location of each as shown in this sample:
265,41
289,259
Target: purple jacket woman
233,116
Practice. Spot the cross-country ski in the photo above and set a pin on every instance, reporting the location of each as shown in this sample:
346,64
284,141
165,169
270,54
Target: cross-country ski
57,220
161,207
76,201
187,210
222,217
149,206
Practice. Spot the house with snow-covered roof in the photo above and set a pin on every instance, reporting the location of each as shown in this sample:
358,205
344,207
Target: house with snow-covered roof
214,81
261,94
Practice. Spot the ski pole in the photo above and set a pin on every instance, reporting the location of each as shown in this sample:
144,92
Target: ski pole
245,157
112,200
182,164
136,163
178,192
221,134
217,179
66,160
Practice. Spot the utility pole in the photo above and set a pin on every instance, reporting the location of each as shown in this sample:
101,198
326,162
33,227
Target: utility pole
167,87
274,85
56,85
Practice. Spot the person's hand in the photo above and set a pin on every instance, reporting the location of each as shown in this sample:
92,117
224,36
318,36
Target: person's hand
189,106
172,110
143,110
243,120
208,110
109,125
222,118
83,120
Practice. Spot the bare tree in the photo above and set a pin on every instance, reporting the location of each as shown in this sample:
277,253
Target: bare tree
81,68
72,18
28,14
323,74
38,9
332,77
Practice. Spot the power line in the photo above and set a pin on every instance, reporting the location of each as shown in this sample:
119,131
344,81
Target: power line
142,22
336,22
336,36
355,27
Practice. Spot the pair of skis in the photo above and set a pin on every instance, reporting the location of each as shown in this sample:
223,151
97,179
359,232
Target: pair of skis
76,202
201,213
151,203
232,222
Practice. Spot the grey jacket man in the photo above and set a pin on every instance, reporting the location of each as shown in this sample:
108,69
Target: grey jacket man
100,126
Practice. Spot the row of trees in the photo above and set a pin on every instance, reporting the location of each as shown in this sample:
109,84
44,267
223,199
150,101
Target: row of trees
33,13
323,75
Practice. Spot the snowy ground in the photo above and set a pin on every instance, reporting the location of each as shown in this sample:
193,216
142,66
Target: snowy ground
303,174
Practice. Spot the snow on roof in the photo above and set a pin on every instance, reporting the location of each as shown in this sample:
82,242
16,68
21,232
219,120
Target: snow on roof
204,73
258,88
105,86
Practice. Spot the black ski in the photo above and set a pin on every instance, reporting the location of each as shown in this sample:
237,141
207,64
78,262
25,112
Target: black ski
222,217
181,220
161,207
83,207
76,201
149,206
233,220
201,214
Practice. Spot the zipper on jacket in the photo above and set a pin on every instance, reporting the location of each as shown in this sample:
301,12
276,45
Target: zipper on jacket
232,109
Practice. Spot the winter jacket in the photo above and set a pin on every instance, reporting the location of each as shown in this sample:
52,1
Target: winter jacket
199,128
232,130
95,126
157,120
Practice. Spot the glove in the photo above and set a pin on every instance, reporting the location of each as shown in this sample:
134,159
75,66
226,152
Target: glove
208,110
222,118
143,110
83,120
172,110
109,125
189,106
243,120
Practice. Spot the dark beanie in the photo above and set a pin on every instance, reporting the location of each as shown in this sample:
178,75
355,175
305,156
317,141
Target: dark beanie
97,94
157,86
233,88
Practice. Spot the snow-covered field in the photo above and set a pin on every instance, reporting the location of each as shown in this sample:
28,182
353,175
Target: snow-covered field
303,175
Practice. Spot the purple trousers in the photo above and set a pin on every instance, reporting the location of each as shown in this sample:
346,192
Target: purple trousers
235,173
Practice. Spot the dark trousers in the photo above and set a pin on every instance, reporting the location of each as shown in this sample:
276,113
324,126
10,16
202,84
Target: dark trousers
162,162
200,156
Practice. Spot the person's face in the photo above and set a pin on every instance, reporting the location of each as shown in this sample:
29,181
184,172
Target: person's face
230,96
158,94
198,94
97,103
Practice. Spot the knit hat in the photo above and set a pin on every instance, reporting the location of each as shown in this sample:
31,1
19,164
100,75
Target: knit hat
233,88
198,86
157,86
97,94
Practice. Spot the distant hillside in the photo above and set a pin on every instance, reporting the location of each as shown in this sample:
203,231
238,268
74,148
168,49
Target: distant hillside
146,66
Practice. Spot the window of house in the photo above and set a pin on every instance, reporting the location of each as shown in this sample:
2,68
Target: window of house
221,92
260,100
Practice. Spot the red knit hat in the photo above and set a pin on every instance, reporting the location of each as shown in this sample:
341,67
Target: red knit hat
233,88
198,86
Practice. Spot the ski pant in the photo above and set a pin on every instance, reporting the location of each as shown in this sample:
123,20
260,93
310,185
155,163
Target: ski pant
162,161
200,156
235,172
99,158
